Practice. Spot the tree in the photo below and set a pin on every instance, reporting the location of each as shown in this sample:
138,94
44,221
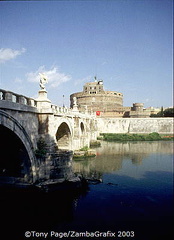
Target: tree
161,113
41,150
169,112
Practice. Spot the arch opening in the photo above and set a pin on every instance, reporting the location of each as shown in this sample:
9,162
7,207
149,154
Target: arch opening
82,127
14,158
63,136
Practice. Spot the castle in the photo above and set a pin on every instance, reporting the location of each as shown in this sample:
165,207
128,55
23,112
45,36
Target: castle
94,98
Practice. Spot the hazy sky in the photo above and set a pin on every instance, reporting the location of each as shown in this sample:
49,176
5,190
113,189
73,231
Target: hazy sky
126,43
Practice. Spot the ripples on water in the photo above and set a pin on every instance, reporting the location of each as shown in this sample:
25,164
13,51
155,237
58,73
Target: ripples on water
135,195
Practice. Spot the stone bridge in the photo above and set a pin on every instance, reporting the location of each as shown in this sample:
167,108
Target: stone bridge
24,121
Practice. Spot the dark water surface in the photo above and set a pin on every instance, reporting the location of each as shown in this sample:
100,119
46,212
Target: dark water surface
134,199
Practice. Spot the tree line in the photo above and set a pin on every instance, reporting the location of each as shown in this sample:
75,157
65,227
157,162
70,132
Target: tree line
168,112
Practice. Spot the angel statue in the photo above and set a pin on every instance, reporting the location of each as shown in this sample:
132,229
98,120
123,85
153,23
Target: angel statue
43,81
74,101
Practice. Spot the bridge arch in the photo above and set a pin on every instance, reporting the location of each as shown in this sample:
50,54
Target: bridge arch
17,154
64,135
82,127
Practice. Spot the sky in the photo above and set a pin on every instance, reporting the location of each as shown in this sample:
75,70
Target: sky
126,43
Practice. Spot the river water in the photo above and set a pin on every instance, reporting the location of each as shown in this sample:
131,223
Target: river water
133,198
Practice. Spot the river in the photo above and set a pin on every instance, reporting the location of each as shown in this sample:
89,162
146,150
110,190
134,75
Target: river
133,198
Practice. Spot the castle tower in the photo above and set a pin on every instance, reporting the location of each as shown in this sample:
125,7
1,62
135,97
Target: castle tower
94,98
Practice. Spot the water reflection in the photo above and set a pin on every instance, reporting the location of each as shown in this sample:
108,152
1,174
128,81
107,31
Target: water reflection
119,157
33,210
136,194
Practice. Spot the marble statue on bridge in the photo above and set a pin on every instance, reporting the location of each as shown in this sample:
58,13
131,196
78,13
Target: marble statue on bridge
43,81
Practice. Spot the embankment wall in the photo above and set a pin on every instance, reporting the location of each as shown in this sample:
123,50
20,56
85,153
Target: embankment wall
135,125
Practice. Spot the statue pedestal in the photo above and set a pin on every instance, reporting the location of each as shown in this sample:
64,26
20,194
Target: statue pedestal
75,108
43,103
43,96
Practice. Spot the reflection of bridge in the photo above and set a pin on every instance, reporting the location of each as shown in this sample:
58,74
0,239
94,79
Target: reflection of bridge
23,121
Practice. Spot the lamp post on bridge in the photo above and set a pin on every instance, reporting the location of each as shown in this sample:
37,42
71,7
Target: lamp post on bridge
63,101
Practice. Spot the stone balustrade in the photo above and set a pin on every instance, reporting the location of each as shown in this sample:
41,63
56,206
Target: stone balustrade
16,98
57,109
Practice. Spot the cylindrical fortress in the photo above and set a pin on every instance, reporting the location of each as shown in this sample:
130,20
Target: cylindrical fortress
94,98
138,106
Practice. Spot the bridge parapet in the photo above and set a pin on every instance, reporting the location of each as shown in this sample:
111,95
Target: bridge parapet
14,101
57,109
65,111
17,98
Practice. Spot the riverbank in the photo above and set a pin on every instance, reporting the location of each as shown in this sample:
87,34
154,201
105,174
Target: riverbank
134,137
83,154
86,152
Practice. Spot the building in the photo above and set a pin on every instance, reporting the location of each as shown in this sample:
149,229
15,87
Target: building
95,99
108,104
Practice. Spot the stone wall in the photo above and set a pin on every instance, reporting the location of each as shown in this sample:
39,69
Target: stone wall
135,125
